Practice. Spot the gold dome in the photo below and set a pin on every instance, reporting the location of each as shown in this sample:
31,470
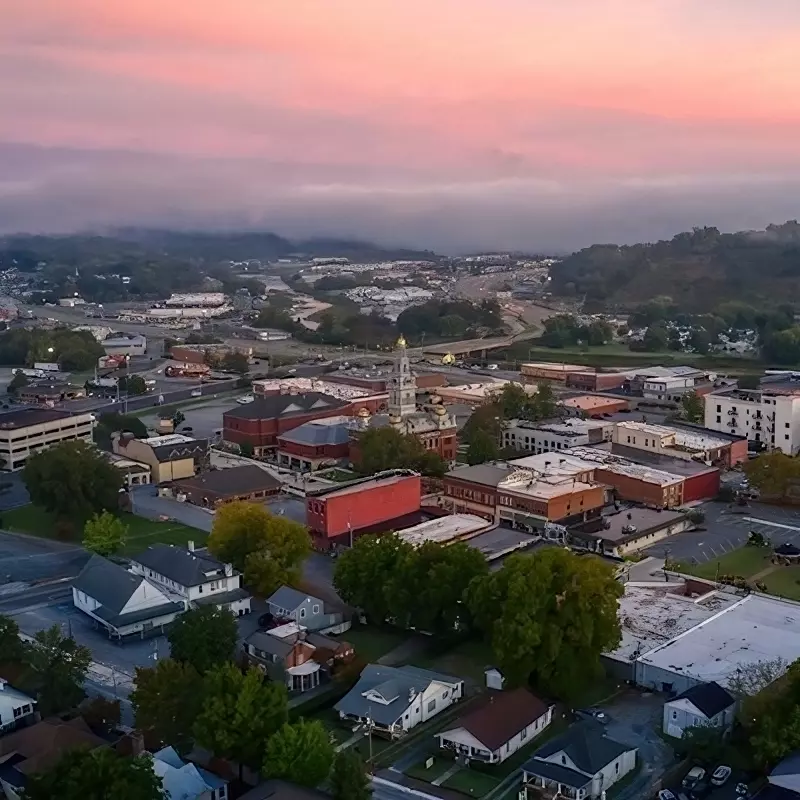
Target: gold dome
401,342
363,412
440,410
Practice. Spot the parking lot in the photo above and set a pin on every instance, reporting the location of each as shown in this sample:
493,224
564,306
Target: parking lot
146,503
203,419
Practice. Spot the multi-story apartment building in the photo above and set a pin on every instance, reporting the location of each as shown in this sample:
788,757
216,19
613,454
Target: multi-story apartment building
768,417
544,437
34,429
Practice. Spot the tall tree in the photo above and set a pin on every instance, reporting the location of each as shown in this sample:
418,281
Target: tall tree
772,473
58,666
362,571
240,713
204,637
349,780
166,701
300,752
132,384
19,381
236,362
693,407
12,648
549,616
104,534
96,775
72,480
387,448
482,448
268,548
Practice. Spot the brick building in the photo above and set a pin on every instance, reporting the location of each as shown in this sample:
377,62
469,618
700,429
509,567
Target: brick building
315,445
260,423
338,512
591,381
380,381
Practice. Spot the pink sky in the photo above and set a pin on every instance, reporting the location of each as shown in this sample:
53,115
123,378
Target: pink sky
374,115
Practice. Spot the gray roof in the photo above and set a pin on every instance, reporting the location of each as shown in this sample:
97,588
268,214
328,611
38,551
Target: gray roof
174,452
484,474
267,643
107,583
132,617
313,433
557,772
230,482
709,698
586,745
289,598
285,405
222,598
394,684
185,567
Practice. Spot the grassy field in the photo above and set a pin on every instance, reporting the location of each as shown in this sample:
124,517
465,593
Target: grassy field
467,660
472,783
371,643
35,521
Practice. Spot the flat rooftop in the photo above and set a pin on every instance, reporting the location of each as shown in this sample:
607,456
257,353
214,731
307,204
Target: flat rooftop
643,519
602,457
501,542
24,418
530,484
589,402
168,439
453,527
689,440
644,459
756,628
360,486
571,427
651,615
552,367
341,391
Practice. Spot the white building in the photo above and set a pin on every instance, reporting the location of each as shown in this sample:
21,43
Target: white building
689,445
672,389
131,345
536,437
32,430
444,530
195,577
182,780
16,708
397,699
702,705
769,416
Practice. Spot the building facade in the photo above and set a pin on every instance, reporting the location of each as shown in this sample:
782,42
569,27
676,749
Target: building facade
315,445
538,437
33,430
169,457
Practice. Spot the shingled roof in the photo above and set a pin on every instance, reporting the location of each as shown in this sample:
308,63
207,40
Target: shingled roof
285,405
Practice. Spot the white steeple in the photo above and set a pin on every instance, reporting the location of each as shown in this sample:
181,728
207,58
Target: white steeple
403,391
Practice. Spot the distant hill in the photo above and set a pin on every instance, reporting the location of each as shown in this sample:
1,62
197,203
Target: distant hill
209,248
698,269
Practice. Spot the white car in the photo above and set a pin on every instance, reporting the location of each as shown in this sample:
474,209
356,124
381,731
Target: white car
493,367
245,398
720,775
693,776
197,393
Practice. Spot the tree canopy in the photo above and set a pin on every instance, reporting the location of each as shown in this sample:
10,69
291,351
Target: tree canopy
693,407
300,752
268,548
773,473
349,780
104,534
204,637
386,448
549,616
72,480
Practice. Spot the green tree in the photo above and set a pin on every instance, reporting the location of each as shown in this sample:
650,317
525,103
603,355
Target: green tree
246,449
349,780
704,744
72,480
19,381
166,702
549,616
58,666
132,384
544,402
427,587
482,448
772,473
656,338
204,637
178,418
386,448
693,407
104,534
268,548
236,362
12,648
96,775
362,572
300,752
240,713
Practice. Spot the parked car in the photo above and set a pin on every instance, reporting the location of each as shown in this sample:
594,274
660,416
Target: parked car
666,794
593,713
721,775
493,367
197,392
693,776
700,790
187,429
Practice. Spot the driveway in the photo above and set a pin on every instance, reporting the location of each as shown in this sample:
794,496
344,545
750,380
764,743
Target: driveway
146,503
13,492
635,719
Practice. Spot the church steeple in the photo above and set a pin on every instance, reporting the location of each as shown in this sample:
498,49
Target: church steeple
403,391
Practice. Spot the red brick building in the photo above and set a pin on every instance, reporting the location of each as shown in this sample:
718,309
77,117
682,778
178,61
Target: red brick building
315,445
590,381
260,423
374,382
336,512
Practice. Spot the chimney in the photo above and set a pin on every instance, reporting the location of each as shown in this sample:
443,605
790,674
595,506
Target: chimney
190,546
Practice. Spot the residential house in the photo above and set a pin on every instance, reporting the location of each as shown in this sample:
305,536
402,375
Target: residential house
289,654
123,603
17,709
504,722
33,749
581,763
288,604
195,576
182,780
169,457
393,700
703,704
784,780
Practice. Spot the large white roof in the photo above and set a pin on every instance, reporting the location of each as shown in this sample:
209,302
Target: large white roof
444,529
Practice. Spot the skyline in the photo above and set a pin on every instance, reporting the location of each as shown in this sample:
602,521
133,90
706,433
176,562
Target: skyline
469,124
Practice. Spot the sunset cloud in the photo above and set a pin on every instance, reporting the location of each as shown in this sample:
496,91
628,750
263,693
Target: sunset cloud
515,122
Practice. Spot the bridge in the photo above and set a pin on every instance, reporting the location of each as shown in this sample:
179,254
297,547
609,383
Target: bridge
469,346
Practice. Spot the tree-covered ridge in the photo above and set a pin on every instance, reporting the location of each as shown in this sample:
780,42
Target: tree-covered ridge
697,269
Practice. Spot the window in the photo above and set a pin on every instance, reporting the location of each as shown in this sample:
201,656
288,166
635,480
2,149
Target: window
18,712
315,608
786,425
302,613
719,419
674,715
200,589
445,693
786,437
523,734
213,586
719,409
563,759
432,705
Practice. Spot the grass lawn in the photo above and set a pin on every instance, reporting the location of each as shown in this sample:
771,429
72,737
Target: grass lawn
142,532
419,771
784,582
339,475
371,642
746,561
472,783
467,660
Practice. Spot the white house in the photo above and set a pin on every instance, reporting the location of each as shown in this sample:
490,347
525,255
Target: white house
581,763
704,704
505,722
393,700
194,576
16,708
182,780
121,602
